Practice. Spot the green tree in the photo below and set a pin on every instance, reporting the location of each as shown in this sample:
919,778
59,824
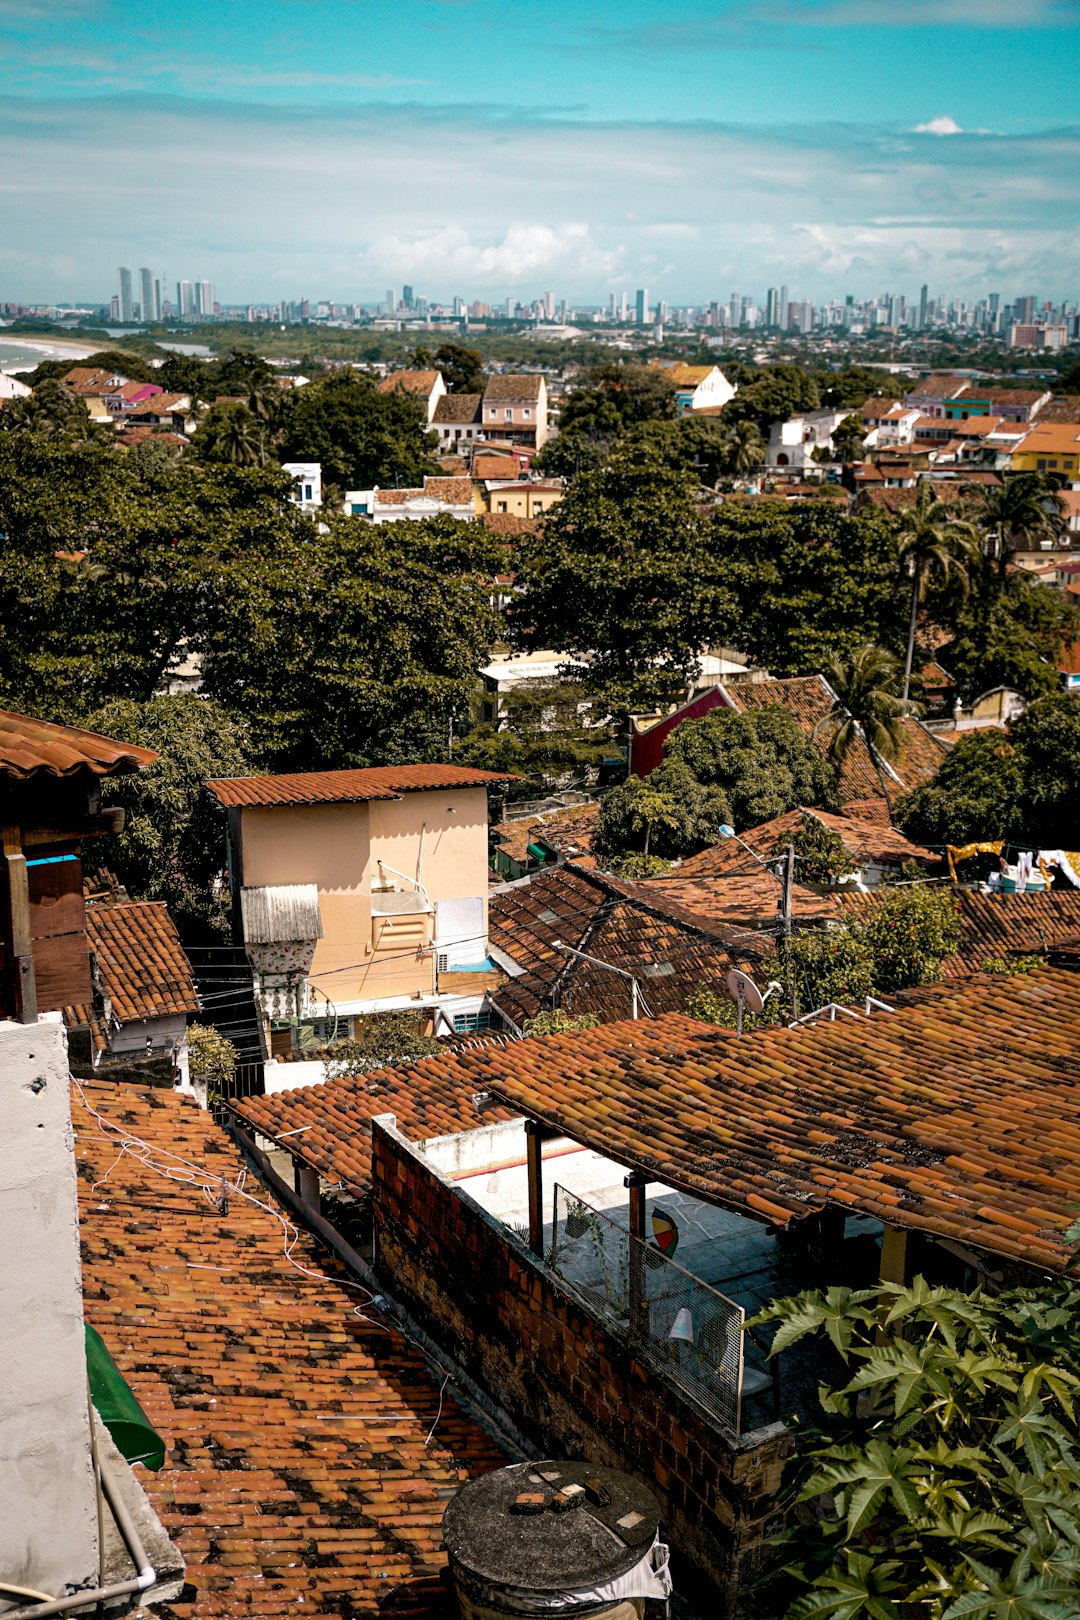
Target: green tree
241,373
1047,740
50,412
212,1060
942,1472
1013,637
619,579
808,578
357,646
230,433
909,935
970,798
773,394
930,543
669,813
849,439
1025,510
546,729
462,368
819,852
362,437
172,847
382,1041
186,374
866,706
832,967
761,762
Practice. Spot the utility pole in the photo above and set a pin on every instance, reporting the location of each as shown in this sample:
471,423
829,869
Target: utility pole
789,878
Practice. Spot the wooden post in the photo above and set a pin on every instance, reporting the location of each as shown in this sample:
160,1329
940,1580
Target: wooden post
635,1183
894,1255
534,1142
19,921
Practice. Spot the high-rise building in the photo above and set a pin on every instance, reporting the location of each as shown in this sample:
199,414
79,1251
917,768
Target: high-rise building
389,300
734,311
772,307
1024,310
642,306
623,307
784,309
204,297
146,284
407,296
548,304
924,306
185,300
123,276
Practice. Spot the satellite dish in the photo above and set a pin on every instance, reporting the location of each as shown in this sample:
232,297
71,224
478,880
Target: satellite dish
742,989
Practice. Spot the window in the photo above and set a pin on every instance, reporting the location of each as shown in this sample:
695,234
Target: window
1041,464
526,413
502,507
509,414
473,1023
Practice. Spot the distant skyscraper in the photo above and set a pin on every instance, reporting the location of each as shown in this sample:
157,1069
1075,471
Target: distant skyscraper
146,284
390,300
548,301
642,306
123,276
784,309
1024,310
407,296
623,307
924,306
185,300
772,307
204,297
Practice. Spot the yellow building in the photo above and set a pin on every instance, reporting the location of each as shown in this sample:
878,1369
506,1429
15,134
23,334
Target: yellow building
1050,447
523,500
360,891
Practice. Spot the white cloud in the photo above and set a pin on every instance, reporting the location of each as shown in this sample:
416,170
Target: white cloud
939,126
523,254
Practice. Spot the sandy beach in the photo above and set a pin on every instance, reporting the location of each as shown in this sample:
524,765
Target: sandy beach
39,349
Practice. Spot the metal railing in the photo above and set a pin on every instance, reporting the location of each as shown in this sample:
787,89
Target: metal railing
688,1331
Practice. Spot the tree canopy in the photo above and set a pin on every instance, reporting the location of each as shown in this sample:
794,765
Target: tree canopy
762,761
362,437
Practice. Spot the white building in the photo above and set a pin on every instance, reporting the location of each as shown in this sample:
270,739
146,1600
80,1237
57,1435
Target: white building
440,496
792,443
307,478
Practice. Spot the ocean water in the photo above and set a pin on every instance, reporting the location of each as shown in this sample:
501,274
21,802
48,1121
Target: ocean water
25,356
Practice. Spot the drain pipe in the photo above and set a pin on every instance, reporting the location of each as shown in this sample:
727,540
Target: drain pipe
145,1578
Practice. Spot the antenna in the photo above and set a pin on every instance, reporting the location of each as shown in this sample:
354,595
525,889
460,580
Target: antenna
744,992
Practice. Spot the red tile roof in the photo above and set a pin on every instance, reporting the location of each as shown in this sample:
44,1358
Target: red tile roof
749,899
957,1115
864,841
346,787
511,387
298,1478
332,1120
141,962
638,928
457,408
410,382
569,831
28,746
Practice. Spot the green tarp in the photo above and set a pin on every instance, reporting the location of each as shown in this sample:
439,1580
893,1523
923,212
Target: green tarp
134,1436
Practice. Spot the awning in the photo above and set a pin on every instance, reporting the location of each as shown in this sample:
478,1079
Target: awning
537,852
116,1406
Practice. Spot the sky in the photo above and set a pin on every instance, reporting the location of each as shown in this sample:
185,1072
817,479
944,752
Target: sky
335,148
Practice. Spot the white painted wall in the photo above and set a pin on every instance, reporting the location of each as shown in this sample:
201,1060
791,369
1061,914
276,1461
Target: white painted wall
48,1519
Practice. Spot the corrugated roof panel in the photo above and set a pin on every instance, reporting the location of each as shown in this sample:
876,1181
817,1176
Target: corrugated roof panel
281,912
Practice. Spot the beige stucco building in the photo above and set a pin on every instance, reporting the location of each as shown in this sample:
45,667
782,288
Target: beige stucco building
362,891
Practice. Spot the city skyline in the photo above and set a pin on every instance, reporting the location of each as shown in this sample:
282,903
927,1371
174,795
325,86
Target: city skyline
675,147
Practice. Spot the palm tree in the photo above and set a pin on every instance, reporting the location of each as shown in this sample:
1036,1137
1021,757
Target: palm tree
865,705
1027,508
746,449
931,542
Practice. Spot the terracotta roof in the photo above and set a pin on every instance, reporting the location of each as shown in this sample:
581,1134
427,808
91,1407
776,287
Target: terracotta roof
457,408
1051,439
994,925
511,387
957,1115
508,524
684,376
569,831
410,382
1009,396
809,699
331,1121
1065,408
347,787
454,466
636,927
864,840
297,1477
28,746
939,385
451,491
744,899
141,962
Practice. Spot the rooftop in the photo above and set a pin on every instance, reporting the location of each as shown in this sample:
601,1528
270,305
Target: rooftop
638,928
569,831
749,899
348,787
29,747
328,1126
864,841
957,1115
410,382
141,962
309,1450
460,408
1050,438
996,925
511,387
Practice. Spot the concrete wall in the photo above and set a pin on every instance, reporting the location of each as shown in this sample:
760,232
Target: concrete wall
48,1521
337,847
574,1388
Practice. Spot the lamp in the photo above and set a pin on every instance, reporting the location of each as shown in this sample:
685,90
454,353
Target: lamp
682,1329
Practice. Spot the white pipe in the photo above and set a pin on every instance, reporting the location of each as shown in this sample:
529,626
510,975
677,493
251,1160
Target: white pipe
144,1579
406,879
24,1592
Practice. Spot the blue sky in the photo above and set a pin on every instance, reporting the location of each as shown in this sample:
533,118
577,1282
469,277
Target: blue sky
336,147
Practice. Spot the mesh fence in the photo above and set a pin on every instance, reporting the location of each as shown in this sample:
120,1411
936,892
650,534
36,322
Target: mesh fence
682,1327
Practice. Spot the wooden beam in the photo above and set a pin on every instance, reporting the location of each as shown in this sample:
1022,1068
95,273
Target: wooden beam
100,826
19,927
634,1181
534,1144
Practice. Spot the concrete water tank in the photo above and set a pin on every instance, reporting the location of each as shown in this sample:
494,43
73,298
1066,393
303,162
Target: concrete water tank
555,1538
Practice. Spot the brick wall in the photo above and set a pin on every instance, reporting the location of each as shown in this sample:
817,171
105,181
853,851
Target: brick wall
573,1387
